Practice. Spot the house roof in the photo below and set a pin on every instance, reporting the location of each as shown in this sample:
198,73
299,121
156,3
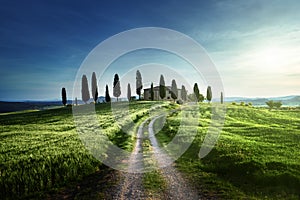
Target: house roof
157,88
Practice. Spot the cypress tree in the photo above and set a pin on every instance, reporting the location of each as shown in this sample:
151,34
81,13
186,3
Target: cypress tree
208,94
174,90
196,92
117,87
183,93
128,92
152,92
64,96
139,83
107,97
94,87
222,98
162,87
85,89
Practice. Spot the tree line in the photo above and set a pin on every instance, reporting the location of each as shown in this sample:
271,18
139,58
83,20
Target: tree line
85,94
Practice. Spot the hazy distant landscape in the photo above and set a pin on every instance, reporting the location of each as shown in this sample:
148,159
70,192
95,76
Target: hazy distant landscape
292,101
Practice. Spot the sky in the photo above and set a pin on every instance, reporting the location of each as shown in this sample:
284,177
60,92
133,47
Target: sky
254,45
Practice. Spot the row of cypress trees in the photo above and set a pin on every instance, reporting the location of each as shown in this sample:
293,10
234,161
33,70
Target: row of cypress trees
117,90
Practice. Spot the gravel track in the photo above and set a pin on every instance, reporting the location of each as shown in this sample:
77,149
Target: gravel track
132,187
178,187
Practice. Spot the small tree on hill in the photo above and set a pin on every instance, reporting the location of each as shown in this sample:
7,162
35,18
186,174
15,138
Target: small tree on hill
162,87
64,96
139,83
107,97
128,92
208,94
152,92
183,93
174,90
85,89
270,104
117,87
277,104
94,87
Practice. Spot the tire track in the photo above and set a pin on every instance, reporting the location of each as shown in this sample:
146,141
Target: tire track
132,186
178,187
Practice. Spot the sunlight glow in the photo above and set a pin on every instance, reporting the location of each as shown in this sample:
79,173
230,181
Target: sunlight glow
270,59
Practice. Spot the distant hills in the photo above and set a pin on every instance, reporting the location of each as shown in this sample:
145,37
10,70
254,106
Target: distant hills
292,100
28,105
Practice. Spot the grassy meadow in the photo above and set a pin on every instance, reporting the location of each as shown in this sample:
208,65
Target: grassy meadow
41,150
256,156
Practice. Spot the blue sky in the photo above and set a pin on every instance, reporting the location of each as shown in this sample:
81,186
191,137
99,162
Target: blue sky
255,45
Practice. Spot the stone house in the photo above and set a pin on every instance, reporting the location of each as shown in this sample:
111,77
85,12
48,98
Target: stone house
147,95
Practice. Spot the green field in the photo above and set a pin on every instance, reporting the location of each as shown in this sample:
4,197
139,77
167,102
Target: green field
257,155
41,150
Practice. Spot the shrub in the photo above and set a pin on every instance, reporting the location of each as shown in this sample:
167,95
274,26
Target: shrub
242,103
179,101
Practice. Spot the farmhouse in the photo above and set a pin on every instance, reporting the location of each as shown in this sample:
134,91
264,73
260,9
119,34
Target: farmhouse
147,95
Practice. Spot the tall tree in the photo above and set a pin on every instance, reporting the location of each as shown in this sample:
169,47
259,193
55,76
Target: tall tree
183,93
152,92
162,87
94,87
64,96
85,89
222,98
107,97
117,87
196,92
174,90
139,83
208,94
128,92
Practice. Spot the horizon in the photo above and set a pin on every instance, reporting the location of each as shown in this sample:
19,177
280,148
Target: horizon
103,96
253,45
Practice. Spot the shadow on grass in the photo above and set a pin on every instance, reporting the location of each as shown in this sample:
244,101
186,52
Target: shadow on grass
253,178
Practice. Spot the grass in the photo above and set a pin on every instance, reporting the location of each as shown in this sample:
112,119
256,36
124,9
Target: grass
256,157
41,150
153,182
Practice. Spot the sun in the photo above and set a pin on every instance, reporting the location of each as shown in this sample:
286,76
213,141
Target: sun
270,58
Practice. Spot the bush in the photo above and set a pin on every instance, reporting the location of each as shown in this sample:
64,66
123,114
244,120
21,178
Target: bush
277,104
272,104
179,102
242,103
233,103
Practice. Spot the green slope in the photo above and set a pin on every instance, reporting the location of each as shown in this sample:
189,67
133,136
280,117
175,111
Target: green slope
257,154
